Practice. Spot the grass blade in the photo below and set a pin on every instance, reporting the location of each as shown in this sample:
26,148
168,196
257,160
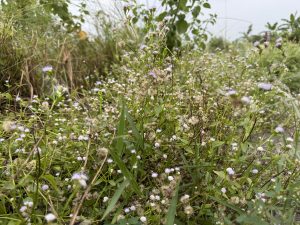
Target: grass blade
119,143
115,198
126,172
238,210
172,210
139,138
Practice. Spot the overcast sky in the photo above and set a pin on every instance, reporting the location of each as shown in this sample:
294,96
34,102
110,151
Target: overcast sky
234,16
241,13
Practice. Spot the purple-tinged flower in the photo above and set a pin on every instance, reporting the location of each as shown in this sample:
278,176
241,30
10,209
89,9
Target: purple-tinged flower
230,171
152,74
47,68
81,178
265,86
231,92
279,129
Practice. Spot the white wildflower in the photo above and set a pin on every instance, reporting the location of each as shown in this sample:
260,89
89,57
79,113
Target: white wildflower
230,171
50,217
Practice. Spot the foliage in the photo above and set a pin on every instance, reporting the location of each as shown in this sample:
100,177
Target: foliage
118,132
291,28
33,36
206,137
218,44
181,20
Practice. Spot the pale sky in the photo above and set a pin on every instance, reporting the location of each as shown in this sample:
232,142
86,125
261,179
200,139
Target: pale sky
256,12
234,16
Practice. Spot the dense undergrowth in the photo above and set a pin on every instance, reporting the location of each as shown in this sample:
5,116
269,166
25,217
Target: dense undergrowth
200,138
106,130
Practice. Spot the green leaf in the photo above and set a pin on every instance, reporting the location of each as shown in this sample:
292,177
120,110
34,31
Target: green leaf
182,26
138,137
14,222
134,20
216,144
196,11
8,185
161,16
183,5
206,5
220,174
115,198
126,172
251,220
172,209
51,180
121,132
195,31
238,210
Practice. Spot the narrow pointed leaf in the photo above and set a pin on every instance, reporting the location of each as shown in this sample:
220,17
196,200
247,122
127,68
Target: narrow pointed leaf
115,198
172,209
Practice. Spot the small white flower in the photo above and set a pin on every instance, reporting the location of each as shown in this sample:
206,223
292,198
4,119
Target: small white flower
260,148
279,129
223,190
127,210
230,171
154,175
132,208
50,217
28,203
265,86
48,68
156,145
105,199
193,120
231,92
23,208
45,187
143,219
81,178
185,198
254,171
167,170
246,100
152,197
133,151
109,160
170,178
188,210
45,105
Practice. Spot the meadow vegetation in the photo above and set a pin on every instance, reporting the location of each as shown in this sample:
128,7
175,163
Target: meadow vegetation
121,128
